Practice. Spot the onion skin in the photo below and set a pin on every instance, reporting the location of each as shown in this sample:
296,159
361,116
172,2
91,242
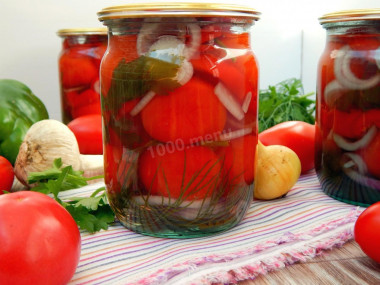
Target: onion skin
277,170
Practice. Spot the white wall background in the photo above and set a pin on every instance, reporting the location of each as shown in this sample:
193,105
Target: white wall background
287,40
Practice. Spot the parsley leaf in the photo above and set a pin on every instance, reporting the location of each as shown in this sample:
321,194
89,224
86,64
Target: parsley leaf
90,213
283,102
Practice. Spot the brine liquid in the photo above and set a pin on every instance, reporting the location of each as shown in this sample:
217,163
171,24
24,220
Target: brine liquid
179,104
348,118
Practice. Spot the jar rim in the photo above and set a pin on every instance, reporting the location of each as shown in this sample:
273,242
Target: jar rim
350,15
179,9
81,31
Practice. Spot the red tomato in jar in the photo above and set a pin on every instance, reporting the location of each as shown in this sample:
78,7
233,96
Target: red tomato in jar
6,175
296,135
121,47
76,70
88,96
367,233
232,40
129,128
371,156
205,61
354,123
188,113
210,32
190,174
40,241
239,160
92,108
350,124
88,132
119,163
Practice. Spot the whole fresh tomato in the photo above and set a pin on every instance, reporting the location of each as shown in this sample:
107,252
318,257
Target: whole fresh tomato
40,241
296,135
367,233
6,174
88,132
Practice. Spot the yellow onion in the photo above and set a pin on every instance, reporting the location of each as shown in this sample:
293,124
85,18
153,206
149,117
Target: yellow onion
278,169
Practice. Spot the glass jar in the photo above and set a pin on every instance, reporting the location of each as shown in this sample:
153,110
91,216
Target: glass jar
348,107
179,87
79,63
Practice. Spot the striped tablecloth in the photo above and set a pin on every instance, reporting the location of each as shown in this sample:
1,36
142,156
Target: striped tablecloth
272,235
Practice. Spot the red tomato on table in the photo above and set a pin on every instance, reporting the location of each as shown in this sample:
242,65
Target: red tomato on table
296,135
6,175
367,232
88,132
40,241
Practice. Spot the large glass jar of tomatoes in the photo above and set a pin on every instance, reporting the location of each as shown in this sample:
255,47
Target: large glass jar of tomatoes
179,87
79,63
348,107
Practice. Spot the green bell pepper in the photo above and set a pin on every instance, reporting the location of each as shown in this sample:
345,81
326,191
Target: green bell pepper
19,109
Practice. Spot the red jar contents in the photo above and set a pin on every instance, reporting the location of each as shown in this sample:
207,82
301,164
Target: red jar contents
179,105
348,107
79,63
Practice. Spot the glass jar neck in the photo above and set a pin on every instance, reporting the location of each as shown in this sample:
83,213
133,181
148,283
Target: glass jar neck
352,28
75,40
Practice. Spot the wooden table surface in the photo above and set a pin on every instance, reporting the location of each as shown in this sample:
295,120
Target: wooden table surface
345,265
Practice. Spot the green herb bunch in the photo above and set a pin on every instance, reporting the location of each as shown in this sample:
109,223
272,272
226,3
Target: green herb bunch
283,102
91,213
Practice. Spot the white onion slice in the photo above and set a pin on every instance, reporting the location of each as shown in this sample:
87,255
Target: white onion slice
333,91
352,146
152,32
361,179
355,160
235,134
346,77
169,48
377,57
148,34
142,103
246,102
167,45
185,72
229,101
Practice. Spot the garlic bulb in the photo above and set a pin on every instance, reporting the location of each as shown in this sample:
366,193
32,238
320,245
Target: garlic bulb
278,169
45,141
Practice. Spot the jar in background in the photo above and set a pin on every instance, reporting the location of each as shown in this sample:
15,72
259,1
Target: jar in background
348,107
79,62
179,86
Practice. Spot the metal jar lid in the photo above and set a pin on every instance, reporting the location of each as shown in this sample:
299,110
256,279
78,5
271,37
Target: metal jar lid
350,15
81,31
177,10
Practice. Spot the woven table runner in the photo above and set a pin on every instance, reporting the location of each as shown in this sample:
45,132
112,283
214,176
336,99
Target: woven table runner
272,235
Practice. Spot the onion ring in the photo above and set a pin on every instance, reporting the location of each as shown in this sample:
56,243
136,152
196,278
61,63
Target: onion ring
352,146
229,101
346,77
333,91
